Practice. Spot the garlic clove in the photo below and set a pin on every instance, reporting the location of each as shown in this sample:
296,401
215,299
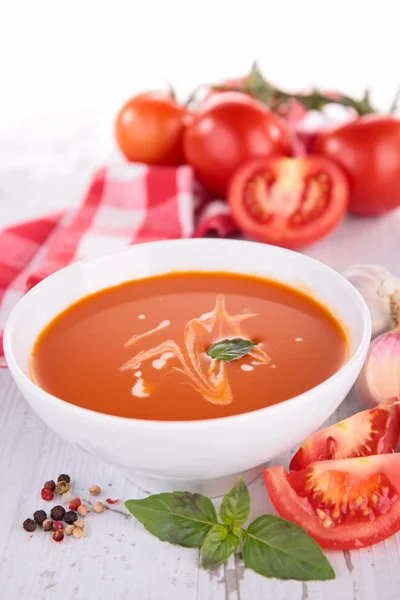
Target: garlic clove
379,380
381,291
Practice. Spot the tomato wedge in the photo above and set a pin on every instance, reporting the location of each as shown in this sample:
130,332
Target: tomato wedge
288,202
342,504
374,431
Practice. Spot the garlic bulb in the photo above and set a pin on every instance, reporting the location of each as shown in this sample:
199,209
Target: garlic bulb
379,380
381,291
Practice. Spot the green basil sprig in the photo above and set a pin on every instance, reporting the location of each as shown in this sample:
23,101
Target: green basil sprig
273,547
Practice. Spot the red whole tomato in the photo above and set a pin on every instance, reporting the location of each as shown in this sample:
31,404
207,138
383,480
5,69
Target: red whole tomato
288,202
292,110
342,504
228,130
374,431
149,128
368,149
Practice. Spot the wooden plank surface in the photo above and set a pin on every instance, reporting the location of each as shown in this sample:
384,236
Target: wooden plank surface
117,559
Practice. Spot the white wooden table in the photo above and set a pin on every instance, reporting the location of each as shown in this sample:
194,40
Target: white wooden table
117,559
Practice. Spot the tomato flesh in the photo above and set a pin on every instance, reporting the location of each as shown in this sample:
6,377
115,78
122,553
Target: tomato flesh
342,504
288,202
374,431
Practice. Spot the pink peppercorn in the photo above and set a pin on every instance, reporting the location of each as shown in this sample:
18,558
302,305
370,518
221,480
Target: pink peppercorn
73,505
47,494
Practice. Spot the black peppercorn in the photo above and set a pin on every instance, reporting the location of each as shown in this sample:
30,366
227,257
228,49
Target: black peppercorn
29,525
70,517
57,513
39,516
64,477
50,485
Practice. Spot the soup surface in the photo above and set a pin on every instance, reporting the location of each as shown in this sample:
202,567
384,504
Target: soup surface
140,349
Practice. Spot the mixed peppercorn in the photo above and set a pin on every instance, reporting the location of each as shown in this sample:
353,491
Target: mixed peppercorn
74,525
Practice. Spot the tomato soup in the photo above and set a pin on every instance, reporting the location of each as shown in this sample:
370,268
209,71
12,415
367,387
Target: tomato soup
140,349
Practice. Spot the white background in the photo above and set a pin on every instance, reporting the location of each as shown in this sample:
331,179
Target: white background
66,67
92,55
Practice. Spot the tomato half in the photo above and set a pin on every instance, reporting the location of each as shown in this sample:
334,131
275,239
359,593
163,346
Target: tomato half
149,128
342,504
228,130
368,149
288,202
374,431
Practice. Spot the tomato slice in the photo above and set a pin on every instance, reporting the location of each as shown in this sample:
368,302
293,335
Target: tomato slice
374,431
288,202
342,504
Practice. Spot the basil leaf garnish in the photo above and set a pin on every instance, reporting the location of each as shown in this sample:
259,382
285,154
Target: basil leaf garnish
274,547
235,506
228,350
179,518
219,544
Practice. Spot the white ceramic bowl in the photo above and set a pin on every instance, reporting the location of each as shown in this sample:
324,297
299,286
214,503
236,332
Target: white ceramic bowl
203,456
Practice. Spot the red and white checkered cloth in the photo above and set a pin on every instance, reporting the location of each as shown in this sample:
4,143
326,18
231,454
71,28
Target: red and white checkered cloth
125,204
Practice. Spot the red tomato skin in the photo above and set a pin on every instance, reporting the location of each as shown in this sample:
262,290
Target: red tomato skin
340,441
286,237
291,111
368,149
149,128
230,129
290,506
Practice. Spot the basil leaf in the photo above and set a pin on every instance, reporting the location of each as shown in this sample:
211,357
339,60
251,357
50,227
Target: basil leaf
179,518
218,546
229,350
274,547
235,506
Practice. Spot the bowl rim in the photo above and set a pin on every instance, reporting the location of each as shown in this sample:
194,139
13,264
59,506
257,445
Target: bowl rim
192,424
